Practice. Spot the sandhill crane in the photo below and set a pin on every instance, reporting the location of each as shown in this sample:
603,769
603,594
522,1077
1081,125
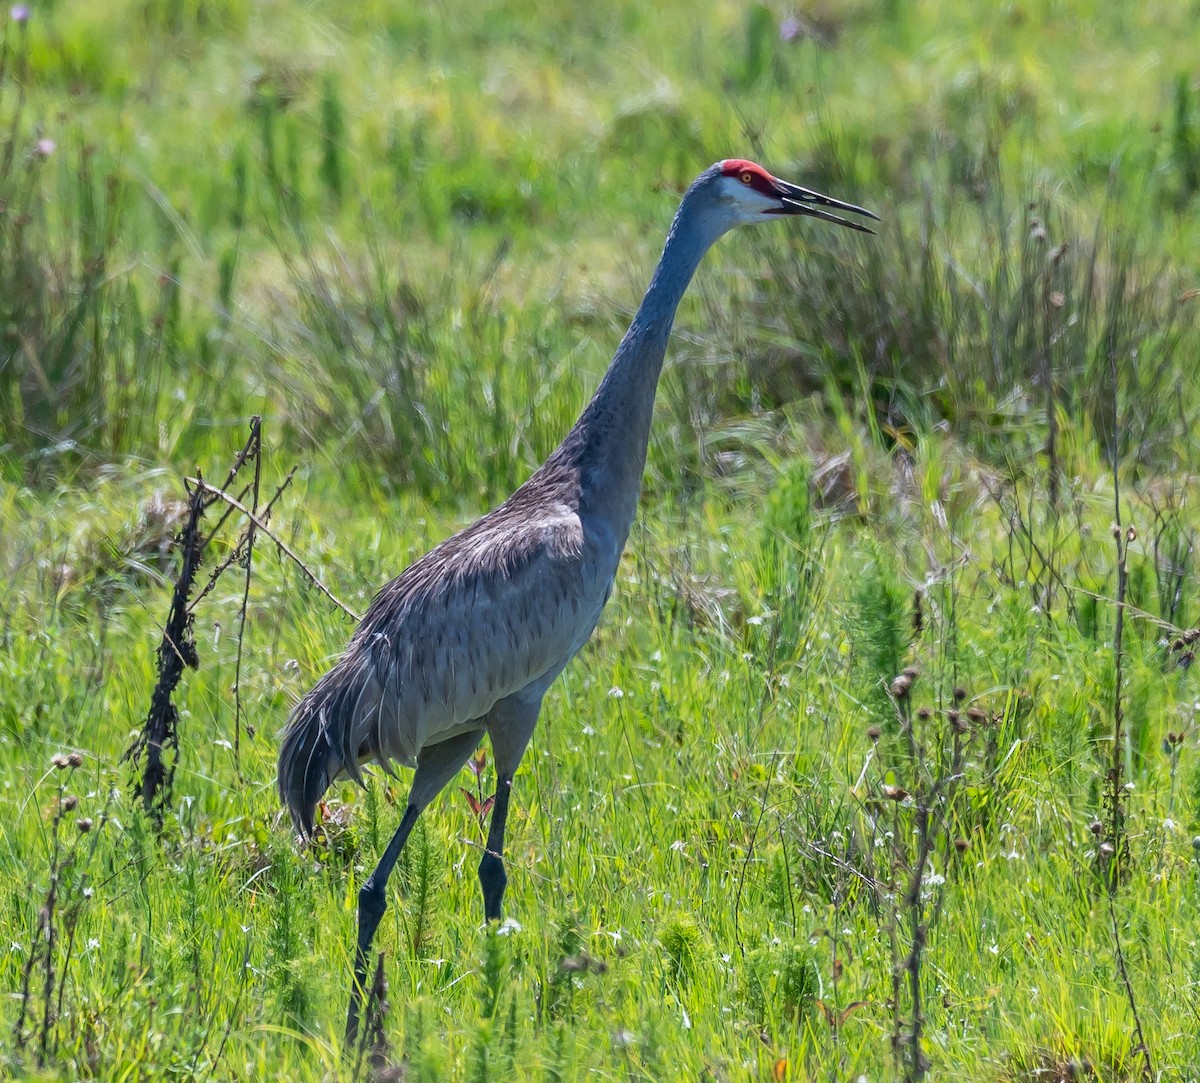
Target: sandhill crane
467,640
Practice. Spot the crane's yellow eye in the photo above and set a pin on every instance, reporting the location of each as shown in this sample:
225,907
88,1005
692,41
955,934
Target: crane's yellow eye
747,177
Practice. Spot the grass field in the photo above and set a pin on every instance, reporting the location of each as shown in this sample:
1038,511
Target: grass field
883,760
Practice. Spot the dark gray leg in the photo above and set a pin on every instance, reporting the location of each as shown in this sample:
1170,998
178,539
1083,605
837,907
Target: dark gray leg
492,877
436,765
510,725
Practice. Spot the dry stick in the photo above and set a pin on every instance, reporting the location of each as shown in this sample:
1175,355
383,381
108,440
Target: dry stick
917,1060
893,939
265,516
256,439
48,926
1116,826
72,918
912,900
239,461
283,546
1130,610
737,901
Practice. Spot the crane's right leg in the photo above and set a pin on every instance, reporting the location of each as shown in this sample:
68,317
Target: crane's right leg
436,765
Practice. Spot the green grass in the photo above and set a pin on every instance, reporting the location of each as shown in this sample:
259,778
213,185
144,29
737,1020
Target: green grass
410,239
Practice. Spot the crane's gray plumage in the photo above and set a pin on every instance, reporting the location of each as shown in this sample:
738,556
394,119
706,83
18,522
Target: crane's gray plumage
498,607
467,640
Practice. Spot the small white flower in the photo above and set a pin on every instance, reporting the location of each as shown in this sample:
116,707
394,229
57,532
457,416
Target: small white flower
508,926
615,693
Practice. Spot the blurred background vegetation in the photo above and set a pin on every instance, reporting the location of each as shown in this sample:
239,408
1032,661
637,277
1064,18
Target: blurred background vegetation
378,228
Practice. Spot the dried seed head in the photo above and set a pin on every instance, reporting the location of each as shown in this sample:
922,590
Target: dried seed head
894,793
911,672
1116,531
924,713
961,845
873,732
900,686
960,694
69,802
1107,849
977,715
957,722
59,760
84,824
1131,534
75,759
1096,827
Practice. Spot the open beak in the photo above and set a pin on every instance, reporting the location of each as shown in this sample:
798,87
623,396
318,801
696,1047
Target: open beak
796,200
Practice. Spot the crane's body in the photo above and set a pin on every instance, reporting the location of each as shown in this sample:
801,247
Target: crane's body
467,640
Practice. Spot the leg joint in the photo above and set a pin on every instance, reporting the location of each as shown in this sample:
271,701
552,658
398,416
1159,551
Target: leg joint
372,899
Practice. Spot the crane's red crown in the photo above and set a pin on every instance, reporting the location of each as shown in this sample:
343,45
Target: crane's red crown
749,173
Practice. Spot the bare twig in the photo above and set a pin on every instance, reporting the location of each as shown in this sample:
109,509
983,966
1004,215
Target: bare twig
737,900
1116,828
283,546
256,440
239,550
1129,610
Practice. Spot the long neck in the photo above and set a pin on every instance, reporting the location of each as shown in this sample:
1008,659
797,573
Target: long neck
609,441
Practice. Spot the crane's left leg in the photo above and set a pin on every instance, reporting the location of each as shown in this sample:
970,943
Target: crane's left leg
510,725
436,765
